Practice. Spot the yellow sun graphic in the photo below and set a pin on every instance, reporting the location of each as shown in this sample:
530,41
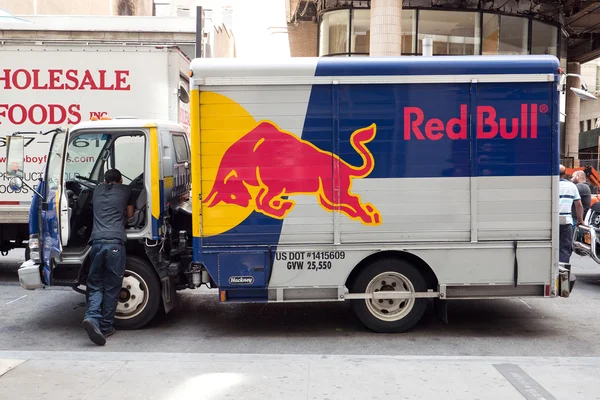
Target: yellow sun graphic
222,123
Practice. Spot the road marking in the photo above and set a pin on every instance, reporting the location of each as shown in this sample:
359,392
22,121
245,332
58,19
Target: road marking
523,301
524,383
10,364
12,301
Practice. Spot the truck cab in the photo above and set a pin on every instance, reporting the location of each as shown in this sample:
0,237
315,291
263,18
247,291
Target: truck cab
154,160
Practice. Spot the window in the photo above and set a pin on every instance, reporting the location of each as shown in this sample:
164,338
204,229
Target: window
489,35
83,153
513,35
409,31
128,156
452,32
54,166
181,148
361,31
544,38
334,32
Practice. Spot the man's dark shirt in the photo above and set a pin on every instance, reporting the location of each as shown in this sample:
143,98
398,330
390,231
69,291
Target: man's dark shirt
110,203
586,198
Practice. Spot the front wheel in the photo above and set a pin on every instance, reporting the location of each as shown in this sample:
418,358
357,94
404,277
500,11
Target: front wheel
140,296
389,315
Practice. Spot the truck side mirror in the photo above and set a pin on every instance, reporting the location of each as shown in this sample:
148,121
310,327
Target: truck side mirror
15,183
15,156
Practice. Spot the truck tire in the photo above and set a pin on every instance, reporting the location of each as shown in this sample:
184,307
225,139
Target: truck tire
27,253
140,297
394,315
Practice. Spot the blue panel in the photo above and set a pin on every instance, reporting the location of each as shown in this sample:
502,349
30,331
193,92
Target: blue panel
527,112
404,147
451,65
246,296
243,270
396,151
556,132
50,241
34,210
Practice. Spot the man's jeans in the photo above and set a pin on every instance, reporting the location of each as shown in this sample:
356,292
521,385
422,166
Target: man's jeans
104,281
566,242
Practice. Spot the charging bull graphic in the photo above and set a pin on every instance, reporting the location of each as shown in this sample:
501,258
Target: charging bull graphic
277,164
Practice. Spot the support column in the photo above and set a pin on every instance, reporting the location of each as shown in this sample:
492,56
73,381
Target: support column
572,111
386,23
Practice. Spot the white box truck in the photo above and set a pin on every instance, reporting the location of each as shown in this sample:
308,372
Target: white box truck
49,86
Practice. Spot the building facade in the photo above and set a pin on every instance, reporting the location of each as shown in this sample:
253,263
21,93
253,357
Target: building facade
130,22
78,7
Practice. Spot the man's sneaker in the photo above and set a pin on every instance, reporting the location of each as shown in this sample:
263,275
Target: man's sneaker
109,332
94,332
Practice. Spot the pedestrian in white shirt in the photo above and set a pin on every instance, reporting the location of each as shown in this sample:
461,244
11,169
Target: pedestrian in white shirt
569,196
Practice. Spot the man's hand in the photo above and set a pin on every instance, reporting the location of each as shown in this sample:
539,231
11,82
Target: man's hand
130,211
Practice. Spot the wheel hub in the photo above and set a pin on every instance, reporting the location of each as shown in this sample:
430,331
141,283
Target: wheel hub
390,309
133,296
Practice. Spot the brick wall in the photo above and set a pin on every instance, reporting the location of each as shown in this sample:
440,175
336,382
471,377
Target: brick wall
303,39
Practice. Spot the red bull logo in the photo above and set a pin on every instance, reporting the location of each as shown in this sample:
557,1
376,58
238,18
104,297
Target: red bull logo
268,164
488,124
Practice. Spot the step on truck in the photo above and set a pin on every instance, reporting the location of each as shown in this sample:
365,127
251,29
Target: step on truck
46,86
319,179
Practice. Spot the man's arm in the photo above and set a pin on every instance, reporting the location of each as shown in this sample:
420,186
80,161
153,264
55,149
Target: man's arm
579,209
130,204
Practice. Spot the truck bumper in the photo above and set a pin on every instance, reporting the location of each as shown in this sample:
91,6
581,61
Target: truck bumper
585,239
29,275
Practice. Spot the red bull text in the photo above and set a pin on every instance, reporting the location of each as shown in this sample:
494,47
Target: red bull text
488,124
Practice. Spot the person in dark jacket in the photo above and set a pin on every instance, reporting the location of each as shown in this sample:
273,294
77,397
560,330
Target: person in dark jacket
585,192
113,205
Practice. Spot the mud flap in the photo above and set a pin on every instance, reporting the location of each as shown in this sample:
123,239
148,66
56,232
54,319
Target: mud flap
566,280
169,294
441,309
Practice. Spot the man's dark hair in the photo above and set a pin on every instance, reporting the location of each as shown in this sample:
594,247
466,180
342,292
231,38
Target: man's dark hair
112,176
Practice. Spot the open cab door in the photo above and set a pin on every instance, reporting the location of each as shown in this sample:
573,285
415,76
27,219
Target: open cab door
55,213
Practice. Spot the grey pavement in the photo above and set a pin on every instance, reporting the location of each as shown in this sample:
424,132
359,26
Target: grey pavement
174,376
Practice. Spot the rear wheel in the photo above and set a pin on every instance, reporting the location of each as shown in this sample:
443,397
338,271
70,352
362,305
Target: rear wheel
140,297
389,315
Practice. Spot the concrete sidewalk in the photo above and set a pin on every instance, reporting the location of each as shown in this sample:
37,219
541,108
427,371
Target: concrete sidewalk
175,376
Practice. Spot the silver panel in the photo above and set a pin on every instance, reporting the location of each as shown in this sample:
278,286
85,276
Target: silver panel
16,215
432,209
453,263
514,208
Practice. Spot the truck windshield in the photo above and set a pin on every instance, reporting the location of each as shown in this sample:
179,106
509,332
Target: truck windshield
83,153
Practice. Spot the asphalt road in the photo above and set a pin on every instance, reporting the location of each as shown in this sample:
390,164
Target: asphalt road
50,320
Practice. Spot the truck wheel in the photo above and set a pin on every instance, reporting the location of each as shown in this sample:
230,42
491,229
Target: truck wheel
27,253
393,315
140,295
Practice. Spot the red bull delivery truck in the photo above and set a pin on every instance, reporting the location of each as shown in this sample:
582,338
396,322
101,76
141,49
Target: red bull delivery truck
317,179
